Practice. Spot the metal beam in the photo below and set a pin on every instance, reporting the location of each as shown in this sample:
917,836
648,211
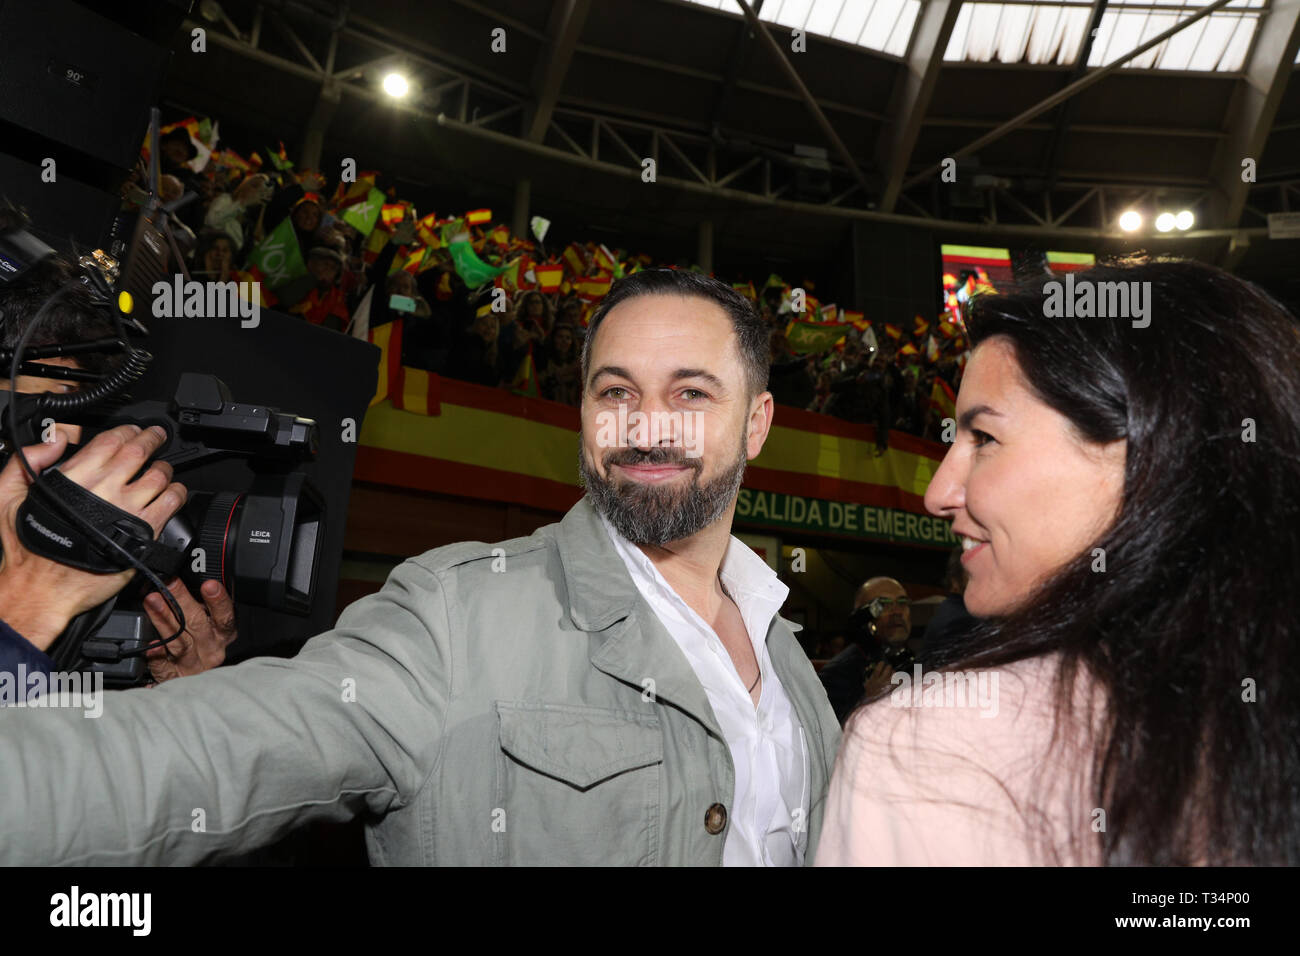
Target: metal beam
708,76
775,49
633,174
497,17
1188,132
1253,106
1064,94
1065,117
292,36
737,56
924,60
567,18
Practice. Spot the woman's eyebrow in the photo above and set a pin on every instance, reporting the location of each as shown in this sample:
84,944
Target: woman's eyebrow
968,416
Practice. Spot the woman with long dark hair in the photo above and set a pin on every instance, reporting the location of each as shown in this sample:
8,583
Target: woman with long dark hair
1127,489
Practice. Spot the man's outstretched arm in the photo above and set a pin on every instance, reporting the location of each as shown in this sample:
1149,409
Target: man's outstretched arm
231,759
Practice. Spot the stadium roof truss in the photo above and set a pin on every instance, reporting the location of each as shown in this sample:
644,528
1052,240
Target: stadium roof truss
1252,45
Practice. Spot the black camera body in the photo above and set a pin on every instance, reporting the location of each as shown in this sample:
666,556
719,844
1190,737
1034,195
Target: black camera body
263,543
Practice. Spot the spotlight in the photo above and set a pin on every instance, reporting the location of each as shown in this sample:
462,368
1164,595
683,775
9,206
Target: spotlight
395,85
1131,221
1165,222
1184,220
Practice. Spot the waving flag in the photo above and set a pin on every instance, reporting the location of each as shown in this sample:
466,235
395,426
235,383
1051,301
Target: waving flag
549,275
278,256
806,337
525,380
363,215
943,400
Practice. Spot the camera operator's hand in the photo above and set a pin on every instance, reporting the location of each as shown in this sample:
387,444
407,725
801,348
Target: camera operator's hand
878,678
208,631
38,597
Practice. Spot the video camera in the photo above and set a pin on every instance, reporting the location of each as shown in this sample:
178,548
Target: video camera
262,542
862,629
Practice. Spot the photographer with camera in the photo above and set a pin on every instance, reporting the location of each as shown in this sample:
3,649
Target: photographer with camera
879,627
40,596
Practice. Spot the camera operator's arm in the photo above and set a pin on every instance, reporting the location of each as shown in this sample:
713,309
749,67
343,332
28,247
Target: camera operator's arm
233,758
38,597
208,630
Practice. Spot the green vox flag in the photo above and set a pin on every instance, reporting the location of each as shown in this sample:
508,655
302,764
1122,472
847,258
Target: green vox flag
472,270
362,216
278,255
805,337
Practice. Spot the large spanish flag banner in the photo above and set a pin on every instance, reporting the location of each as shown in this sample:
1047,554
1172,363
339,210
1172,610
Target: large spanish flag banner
816,474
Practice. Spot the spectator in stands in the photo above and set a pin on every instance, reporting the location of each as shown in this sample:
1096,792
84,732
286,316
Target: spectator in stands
560,372
515,336
570,311
878,631
231,212
474,356
324,302
176,149
822,393
537,309
306,219
789,380
857,389
214,258
403,283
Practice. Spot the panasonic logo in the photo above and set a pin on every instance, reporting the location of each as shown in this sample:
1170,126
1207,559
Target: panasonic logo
52,535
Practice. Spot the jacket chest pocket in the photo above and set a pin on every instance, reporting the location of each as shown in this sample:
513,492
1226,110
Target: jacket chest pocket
577,786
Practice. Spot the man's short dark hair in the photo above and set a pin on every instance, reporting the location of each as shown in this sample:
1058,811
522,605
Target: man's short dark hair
73,318
752,335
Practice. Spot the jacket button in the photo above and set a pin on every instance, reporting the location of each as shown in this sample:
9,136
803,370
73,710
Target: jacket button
715,819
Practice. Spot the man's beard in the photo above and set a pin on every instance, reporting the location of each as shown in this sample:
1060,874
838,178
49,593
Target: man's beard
655,513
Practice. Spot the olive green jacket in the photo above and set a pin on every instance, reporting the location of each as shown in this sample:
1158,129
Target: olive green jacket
490,705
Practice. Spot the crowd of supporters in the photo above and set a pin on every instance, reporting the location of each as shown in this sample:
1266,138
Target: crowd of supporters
480,304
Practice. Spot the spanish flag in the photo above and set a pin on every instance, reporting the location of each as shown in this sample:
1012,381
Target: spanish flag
525,380
355,192
426,230
856,319
893,331
922,326
549,275
943,400
574,259
478,217
389,339
909,349
391,214
605,259
420,392
594,287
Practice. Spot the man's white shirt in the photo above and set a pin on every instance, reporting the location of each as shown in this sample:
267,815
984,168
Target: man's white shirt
768,814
